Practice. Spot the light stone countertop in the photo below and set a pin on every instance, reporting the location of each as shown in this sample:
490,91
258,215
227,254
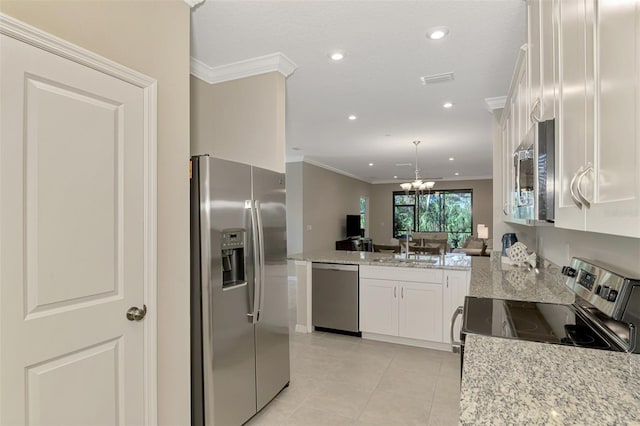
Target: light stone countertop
509,381
492,279
449,261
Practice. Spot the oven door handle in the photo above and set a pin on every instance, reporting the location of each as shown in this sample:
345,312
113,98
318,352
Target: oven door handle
455,345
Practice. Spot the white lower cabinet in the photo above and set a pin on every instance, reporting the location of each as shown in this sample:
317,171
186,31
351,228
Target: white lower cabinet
410,303
455,289
420,311
379,306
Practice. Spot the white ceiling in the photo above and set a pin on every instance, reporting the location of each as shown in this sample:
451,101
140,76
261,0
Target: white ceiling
379,80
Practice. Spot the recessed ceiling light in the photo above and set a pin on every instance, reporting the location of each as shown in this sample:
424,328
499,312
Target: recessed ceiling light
370,164
447,105
437,33
352,117
457,174
395,177
451,158
336,56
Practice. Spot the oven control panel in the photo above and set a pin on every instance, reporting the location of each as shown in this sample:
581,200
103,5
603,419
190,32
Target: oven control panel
602,288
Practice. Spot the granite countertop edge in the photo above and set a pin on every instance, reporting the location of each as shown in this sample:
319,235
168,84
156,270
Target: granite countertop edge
458,262
490,278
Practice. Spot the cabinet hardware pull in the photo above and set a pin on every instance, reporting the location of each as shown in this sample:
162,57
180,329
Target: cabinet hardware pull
402,292
455,345
572,190
532,114
584,200
394,292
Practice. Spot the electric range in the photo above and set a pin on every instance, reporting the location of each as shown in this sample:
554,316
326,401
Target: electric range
604,315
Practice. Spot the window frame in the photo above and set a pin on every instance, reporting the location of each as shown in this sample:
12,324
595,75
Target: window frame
416,210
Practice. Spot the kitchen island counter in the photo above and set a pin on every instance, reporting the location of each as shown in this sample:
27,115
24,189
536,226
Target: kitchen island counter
448,261
490,278
518,382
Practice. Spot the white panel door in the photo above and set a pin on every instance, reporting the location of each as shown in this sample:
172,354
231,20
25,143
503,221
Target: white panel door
72,254
456,288
379,306
421,311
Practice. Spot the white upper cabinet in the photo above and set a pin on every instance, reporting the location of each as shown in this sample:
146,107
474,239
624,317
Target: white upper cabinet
541,42
548,60
612,179
534,56
598,144
574,134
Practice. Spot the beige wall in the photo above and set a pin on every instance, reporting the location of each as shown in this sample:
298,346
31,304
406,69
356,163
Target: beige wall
151,37
327,198
381,205
241,120
295,218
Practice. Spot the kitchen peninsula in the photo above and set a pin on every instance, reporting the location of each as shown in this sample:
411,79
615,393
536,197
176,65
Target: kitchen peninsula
406,301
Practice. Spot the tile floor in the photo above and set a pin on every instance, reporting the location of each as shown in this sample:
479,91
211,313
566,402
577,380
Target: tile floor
343,380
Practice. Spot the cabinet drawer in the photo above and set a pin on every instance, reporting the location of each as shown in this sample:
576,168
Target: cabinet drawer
423,275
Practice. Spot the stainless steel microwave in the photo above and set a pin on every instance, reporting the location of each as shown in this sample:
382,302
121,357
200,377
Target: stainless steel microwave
534,166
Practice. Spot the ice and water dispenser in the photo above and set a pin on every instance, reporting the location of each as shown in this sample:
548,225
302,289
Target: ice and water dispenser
232,247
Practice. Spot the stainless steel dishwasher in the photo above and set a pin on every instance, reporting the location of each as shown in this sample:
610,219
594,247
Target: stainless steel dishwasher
334,298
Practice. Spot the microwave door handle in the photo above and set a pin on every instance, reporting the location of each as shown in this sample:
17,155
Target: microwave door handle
455,345
260,257
572,189
518,171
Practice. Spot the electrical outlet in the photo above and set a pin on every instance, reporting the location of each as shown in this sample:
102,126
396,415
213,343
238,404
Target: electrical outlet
309,227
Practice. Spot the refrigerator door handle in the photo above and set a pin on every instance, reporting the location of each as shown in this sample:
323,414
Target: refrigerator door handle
260,257
256,267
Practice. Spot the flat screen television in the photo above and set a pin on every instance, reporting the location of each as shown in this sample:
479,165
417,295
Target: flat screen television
353,225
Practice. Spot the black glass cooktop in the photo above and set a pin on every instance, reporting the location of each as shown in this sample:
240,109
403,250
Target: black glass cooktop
538,322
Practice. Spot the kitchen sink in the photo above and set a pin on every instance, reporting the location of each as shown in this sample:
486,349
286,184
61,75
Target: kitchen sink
424,260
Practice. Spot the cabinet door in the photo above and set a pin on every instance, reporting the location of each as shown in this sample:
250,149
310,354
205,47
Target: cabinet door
572,123
534,55
524,121
506,166
421,311
548,58
379,306
615,176
456,288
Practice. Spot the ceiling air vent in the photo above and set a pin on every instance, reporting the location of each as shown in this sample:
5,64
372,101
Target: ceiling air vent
437,78
404,164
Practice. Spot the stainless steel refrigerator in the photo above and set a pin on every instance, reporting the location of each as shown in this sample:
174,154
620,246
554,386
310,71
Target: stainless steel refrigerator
239,302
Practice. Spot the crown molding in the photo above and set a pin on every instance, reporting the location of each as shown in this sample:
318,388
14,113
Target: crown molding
302,158
495,103
437,181
193,3
241,69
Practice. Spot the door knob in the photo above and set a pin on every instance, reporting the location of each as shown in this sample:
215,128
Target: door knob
136,314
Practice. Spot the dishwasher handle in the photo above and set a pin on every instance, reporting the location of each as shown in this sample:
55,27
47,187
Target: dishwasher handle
455,345
335,267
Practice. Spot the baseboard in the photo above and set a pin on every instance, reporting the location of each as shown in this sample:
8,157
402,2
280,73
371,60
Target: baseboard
407,341
302,329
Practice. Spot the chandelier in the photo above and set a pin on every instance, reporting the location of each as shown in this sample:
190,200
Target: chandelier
418,184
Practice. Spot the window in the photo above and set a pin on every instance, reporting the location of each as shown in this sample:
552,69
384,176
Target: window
363,214
440,211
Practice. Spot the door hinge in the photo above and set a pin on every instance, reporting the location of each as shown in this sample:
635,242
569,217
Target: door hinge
190,168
